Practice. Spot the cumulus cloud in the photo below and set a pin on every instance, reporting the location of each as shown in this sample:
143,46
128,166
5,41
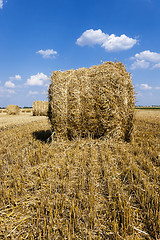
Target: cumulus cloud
148,56
37,80
91,37
114,43
140,64
145,86
16,77
1,3
145,59
9,84
109,42
49,53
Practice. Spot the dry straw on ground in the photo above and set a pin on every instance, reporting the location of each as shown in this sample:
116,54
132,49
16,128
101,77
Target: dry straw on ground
26,110
12,109
2,110
40,108
84,189
97,102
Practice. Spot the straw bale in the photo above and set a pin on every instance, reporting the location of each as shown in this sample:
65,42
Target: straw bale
40,108
13,110
97,102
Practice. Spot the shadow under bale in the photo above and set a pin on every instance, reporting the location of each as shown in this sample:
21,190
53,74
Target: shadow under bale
43,135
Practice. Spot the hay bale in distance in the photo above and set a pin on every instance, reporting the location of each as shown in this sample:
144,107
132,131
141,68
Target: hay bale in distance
13,110
97,102
40,108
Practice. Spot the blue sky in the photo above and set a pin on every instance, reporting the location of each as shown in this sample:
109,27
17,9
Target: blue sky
38,37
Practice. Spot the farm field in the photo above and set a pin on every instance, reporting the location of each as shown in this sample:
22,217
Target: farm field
12,120
148,115
81,189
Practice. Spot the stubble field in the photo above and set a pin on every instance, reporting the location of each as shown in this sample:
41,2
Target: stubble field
81,189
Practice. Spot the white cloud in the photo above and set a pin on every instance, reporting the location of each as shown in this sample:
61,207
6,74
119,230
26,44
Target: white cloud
157,65
146,58
114,43
9,84
32,93
1,3
140,64
145,86
109,42
47,53
37,80
92,37
16,77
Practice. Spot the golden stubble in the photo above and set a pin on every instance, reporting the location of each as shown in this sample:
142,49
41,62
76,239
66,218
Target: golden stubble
80,189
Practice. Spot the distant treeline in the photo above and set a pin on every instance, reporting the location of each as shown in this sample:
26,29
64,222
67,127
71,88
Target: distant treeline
26,107
19,107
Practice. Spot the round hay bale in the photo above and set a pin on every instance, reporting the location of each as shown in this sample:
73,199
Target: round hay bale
13,110
97,102
40,108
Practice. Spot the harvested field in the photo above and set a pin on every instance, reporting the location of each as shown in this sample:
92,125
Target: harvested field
148,115
26,110
81,189
12,120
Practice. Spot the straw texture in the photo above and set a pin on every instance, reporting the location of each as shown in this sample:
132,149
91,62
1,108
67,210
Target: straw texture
12,109
96,102
40,108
